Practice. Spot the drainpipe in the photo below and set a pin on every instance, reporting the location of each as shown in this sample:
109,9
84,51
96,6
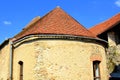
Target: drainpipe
11,59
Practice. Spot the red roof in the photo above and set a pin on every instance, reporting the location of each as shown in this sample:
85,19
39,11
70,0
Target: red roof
55,22
104,26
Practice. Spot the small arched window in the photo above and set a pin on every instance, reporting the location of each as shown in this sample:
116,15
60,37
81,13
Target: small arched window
96,70
21,70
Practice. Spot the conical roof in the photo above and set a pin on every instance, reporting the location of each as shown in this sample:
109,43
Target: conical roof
56,22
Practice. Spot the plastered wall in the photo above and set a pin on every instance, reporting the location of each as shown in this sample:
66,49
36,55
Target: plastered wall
4,62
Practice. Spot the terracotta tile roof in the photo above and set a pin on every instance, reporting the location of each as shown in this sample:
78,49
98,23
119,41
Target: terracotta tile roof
56,22
106,25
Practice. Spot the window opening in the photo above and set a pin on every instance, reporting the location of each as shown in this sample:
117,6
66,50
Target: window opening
21,70
96,70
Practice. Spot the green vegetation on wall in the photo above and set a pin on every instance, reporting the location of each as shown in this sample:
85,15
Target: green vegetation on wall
112,58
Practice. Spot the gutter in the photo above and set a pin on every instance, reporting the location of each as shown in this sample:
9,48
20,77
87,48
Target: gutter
11,60
48,36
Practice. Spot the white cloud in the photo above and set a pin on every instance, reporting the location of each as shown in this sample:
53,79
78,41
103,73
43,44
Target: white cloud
117,3
7,22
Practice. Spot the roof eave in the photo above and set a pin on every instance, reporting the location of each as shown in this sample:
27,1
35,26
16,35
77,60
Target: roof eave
109,27
4,42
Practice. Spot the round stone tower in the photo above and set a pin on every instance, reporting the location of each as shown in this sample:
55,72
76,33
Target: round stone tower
57,47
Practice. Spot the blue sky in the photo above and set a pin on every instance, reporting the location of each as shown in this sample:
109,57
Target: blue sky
16,14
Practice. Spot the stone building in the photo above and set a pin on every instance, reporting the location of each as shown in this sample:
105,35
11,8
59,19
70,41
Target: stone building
54,47
109,30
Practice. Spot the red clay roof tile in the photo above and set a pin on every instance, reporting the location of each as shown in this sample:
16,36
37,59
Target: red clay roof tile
104,26
56,22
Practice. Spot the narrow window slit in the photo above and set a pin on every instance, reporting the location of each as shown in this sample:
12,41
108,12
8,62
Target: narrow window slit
96,70
21,69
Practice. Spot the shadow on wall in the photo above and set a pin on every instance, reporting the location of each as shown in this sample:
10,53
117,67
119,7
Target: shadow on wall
115,75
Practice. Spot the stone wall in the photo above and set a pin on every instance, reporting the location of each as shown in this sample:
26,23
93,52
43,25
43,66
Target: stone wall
111,39
58,60
113,57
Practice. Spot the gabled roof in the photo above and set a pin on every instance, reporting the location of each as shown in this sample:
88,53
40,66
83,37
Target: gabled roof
55,22
106,25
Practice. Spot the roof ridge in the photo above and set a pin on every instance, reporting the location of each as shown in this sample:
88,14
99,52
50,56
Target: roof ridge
107,19
107,24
